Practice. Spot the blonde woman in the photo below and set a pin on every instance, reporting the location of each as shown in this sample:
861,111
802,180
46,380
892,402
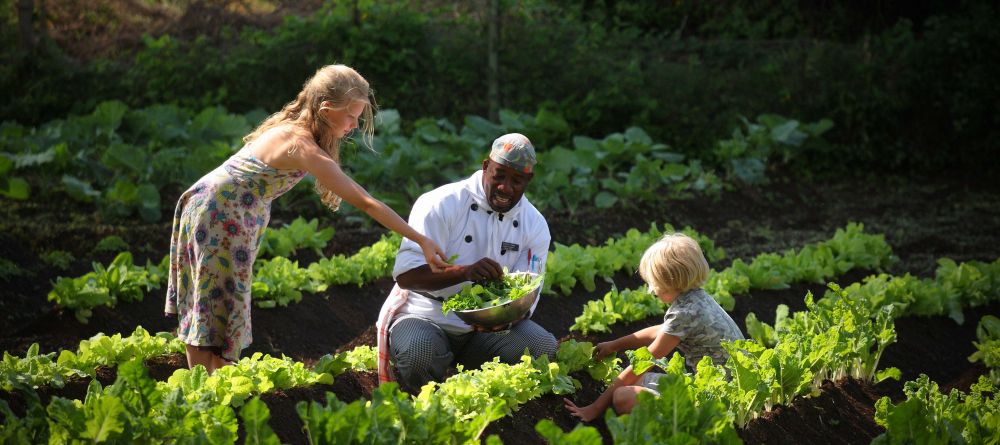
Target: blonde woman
675,269
219,222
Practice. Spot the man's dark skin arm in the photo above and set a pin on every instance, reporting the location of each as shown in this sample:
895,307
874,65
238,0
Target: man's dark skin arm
422,279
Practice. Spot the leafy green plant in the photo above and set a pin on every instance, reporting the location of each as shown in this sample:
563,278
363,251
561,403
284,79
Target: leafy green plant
112,243
300,234
32,370
12,187
251,376
369,263
928,416
510,287
363,358
988,346
10,270
105,286
580,435
679,414
763,333
863,334
60,259
626,305
136,409
255,415
280,281
32,428
849,248
114,350
35,369
954,287
391,416
746,157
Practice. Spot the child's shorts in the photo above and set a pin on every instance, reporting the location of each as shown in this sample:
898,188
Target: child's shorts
650,381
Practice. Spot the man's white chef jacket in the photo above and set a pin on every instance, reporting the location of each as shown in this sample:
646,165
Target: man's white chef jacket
459,218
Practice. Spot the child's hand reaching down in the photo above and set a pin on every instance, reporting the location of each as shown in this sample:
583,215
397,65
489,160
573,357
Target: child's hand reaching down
586,413
604,349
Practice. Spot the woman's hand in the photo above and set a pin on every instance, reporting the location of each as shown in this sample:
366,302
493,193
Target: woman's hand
435,257
586,413
604,349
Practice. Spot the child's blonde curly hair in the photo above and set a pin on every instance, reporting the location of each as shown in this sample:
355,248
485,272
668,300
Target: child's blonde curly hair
674,262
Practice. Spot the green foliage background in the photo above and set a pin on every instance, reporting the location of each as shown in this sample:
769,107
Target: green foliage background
910,87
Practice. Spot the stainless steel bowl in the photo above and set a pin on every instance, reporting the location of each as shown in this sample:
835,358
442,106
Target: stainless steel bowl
504,313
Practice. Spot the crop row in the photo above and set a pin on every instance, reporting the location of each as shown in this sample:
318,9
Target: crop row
849,248
844,340
279,281
131,156
137,408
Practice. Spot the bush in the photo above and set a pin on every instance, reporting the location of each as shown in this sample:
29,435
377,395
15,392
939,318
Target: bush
907,88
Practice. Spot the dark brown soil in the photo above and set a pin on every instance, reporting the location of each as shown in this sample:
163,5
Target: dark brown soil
843,413
921,221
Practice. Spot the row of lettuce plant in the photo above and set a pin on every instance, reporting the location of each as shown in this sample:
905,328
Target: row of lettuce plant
36,369
299,234
456,410
988,346
929,416
231,385
823,342
132,155
843,334
857,358
955,286
851,344
137,408
131,410
849,248
570,265
277,281
121,280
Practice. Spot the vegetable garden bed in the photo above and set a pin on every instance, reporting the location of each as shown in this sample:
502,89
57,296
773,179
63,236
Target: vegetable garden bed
745,223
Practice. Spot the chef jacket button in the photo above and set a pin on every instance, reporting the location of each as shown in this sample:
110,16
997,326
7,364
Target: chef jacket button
474,207
503,251
515,223
468,238
489,212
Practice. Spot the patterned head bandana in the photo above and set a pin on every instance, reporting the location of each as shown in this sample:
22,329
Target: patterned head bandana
515,151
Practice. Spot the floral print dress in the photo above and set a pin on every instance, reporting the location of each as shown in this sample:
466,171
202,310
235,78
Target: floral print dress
218,226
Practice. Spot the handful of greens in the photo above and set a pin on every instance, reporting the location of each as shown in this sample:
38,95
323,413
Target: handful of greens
477,296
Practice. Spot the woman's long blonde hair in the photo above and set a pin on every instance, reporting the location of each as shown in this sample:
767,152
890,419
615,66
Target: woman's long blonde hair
341,85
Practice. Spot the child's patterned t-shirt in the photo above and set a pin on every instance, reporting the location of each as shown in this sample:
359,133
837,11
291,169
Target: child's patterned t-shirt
701,324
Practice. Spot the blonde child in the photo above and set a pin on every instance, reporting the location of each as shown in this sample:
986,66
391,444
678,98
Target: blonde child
674,268
219,222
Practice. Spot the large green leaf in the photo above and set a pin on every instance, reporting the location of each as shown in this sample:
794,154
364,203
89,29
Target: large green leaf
106,417
79,189
15,188
605,200
255,415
